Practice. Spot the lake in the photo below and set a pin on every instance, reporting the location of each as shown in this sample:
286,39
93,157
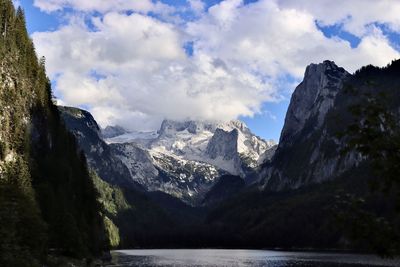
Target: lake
231,258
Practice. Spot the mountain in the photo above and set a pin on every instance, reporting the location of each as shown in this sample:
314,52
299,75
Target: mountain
99,155
112,131
309,146
133,215
227,186
203,141
317,191
205,184
71,190
185,159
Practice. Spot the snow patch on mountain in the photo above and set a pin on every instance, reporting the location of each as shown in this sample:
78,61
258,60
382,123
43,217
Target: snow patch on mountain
185,158
132,137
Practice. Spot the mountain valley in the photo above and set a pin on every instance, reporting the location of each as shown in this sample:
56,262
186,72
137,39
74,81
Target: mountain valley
71,191
208,176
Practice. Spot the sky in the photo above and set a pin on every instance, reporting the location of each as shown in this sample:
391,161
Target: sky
136,62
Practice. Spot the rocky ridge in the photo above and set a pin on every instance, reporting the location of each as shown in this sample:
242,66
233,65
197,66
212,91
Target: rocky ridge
309,147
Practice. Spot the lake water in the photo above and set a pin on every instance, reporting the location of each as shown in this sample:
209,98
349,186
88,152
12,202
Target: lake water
232,258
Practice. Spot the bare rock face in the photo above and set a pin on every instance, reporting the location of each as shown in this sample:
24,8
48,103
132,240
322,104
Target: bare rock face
223,147
312,98
223,144
99,155
308,149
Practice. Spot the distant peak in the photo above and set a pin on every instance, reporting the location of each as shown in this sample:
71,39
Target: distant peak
233,124
329,62
238,124
112,131
196,126
326,68
192,126
326,64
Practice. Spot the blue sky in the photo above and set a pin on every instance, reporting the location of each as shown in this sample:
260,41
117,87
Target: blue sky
243,58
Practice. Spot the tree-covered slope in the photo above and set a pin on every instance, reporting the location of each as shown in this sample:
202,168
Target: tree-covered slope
47,198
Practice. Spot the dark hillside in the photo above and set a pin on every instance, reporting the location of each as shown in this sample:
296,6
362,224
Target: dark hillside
47,198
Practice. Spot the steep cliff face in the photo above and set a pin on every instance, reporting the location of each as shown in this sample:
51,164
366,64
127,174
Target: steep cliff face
309,150
99,155
223,149
312,99
223,144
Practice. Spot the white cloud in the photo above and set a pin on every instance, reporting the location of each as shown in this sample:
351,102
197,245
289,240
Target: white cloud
197,6
103,6
355,15
273,40
135,65
17,3
120,41
132,69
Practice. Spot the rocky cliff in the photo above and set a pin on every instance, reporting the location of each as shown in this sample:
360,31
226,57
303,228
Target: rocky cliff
309,148
99,155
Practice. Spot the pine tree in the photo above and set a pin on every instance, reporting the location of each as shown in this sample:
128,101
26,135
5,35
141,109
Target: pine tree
47,197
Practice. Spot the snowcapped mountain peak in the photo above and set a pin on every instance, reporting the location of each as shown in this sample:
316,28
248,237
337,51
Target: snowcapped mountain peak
223,145
171,127
234,124
131,137
190,154
183,158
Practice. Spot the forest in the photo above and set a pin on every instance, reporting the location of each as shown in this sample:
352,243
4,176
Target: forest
48,202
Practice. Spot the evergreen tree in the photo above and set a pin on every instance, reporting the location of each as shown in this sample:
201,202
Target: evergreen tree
375,134
47,197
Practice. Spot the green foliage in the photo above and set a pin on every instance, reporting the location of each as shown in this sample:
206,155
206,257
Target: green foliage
47,197
112,201
65,191
2,150
112,233
130,218
22,231
111,197
295,219
375,134
368,228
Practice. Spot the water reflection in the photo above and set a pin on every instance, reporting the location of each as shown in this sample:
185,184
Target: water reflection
257,258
